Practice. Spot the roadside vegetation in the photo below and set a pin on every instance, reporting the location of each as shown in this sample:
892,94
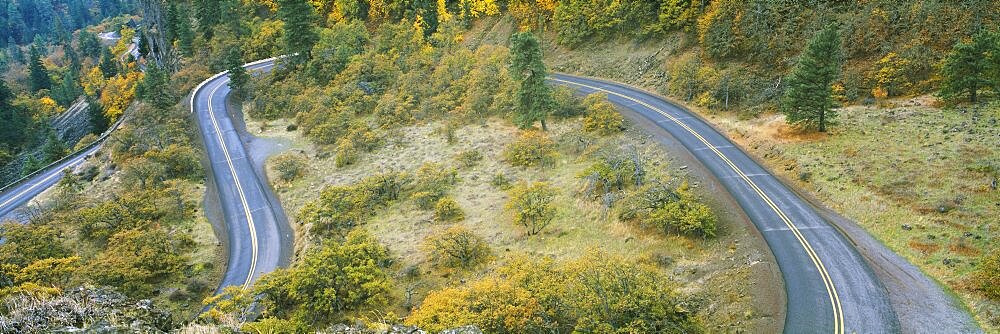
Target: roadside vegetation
121,242
422,168
909,147
435,176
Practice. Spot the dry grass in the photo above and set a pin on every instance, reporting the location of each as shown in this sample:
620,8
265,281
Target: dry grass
905,162
704,268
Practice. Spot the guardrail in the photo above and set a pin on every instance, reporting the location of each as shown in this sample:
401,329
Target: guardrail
66,158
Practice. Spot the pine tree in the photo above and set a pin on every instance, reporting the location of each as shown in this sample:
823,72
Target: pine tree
970,67
238,76
108,64
207,13
98,121
534,97
38,77
89,45
808,99
13,121
155,88
300,19
184,32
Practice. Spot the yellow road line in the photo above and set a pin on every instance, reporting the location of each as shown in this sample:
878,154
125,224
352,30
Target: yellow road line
838,314
239,189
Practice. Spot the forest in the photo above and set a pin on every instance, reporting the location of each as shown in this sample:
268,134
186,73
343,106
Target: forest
407,244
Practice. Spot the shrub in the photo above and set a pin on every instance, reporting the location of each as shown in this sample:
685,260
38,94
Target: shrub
671,210
531,206
602,117
614,171
347,154
340,208
986,274
431,182
567,105
500,181
457,247
87,139
447,209
532,148
289,166
598,293
469,158
331,281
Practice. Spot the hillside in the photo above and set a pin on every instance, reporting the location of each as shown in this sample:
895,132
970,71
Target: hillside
436,175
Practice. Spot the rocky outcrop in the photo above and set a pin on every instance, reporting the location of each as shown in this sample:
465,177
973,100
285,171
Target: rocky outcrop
88,310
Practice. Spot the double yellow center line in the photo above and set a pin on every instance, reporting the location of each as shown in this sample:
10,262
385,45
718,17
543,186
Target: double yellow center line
239,189
838,313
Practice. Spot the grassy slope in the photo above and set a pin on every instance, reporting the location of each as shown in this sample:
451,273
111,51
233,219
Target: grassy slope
718,274
883,167
207,259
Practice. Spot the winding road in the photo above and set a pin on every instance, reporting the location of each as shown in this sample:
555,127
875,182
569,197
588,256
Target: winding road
253,218
829,285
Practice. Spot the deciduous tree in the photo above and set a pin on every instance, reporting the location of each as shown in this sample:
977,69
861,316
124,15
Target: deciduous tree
530,206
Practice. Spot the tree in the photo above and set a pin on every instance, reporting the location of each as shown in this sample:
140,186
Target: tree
108,65
531,206
534,97
239,78
155,88
89,45
808,99
14,120
300,22
38,77
331,280
457,247
183,30
967,68
207,14
54,149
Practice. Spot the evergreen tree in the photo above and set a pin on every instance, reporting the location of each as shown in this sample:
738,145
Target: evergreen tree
54,149
300,20
98,121
207,14
38,76
89,45
143,43
73,59
534,97
108,64
155,88
184,32
238,76
13,121
68,90
970,67
808,99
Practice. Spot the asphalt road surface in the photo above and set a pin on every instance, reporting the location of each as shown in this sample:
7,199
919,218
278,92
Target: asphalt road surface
830,287
22,193
255,242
